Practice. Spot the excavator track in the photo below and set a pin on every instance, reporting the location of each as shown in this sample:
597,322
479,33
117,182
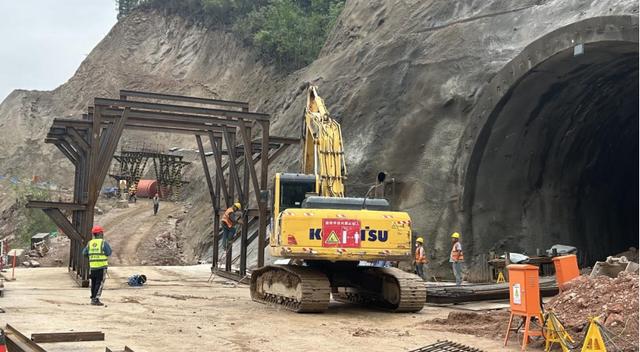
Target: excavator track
395,290
296,288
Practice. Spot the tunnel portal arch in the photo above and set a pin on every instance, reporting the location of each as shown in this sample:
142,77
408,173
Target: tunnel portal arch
552,149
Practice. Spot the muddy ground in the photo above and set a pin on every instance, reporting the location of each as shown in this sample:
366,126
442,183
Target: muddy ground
179,310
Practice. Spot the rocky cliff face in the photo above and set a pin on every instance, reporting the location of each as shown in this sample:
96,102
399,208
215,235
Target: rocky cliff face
403,77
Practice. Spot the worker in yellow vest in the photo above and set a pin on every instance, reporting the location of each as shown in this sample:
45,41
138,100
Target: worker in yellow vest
421,259
456,258
229,221
98,252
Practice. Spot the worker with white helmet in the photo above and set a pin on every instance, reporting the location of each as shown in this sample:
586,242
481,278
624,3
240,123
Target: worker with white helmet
456,258
229,221
420,258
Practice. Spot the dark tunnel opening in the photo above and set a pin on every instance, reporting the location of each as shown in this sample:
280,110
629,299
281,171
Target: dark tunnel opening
560,159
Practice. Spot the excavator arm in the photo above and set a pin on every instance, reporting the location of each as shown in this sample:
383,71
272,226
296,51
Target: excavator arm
323,153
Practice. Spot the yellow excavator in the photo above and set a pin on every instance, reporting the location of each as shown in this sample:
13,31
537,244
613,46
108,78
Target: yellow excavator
325,235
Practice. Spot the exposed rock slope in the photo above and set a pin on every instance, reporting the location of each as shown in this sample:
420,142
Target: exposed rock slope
401,76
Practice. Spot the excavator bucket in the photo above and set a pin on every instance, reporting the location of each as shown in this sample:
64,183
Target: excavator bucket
613,266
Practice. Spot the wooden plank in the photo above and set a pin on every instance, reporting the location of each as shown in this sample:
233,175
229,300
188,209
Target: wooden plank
75,336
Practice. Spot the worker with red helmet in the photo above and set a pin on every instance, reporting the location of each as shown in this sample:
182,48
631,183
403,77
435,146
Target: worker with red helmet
98,252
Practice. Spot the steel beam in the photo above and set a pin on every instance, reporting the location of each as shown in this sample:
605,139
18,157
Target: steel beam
207,176
233,170
254,116
250,165
173,117
75,336
89,143
59,205
62,222
217,156
124,94
80,141
106,154
17,342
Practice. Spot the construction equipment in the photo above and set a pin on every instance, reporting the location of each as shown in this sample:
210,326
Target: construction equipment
613,266
325,234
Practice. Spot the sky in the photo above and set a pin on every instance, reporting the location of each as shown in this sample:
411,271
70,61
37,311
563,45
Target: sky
44,41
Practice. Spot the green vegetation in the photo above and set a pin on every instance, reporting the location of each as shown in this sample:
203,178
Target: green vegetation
289,32
30,221
126,6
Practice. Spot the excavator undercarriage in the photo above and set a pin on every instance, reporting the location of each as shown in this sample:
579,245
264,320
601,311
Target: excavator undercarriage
309,288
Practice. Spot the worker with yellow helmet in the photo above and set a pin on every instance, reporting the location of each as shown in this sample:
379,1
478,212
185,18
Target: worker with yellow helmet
420,257
229,221
456,258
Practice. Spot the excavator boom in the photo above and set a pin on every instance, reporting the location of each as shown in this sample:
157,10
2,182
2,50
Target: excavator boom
323,148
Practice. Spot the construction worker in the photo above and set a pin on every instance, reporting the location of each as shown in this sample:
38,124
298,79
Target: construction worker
132,193
98,251
456,258
156,203
421,259
229,221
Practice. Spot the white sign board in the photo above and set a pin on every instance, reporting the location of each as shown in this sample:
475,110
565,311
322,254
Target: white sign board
517,297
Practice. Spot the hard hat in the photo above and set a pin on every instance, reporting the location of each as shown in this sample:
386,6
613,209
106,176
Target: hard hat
97,229
419,239
237,205
455,235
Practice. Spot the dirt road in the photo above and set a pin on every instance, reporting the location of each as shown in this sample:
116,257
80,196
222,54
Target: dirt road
180,311
126,229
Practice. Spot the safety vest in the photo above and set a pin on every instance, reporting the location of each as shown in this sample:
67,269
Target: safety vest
226,218
97,258
456,255
420,258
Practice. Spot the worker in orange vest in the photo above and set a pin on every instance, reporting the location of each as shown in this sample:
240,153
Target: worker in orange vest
229,221
456,258
421,259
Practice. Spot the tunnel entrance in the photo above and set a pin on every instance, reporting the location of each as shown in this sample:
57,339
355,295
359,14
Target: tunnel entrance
559,158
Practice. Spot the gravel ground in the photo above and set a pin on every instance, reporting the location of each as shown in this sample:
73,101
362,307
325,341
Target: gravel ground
180,311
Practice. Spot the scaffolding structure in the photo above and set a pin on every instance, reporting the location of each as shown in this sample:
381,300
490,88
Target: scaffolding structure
168,168
90,143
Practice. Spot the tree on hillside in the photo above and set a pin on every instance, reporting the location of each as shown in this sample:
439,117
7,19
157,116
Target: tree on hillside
126,6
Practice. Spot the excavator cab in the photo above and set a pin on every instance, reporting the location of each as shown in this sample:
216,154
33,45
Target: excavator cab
290,190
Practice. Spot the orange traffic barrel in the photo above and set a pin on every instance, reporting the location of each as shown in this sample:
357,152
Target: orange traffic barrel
566,269
147,188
